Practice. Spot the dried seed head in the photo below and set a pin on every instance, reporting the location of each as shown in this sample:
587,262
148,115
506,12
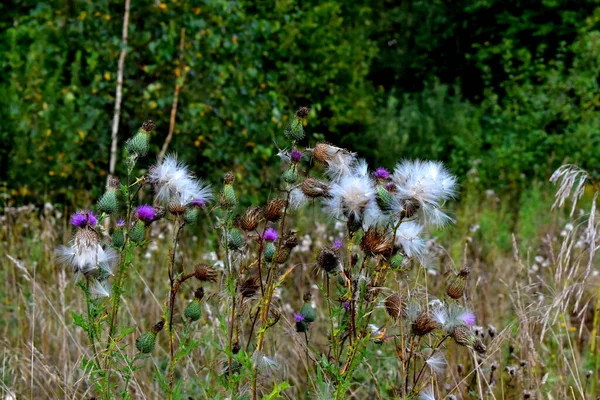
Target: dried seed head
458,284
589,373
228,178
290,240
205,273
148,126
460,368
250,219
307,296
328,260
492,331
409,209
235,348
303,112
113,183
249,286
395,306
158,326
274,209
199,293
423,324
283,255
314,188
176,208
526,394
376,242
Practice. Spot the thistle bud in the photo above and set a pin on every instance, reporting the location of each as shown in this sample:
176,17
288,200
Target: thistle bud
139,144
308,312
395,306
109,203
294,130
328,260
137,232
384,198
269,251
423,324
250,219
274,209
191,215
396,262
283,255
205,273
227,198
375,242
193,311
118,236
456,288
290,176
314,188
145,343
236,240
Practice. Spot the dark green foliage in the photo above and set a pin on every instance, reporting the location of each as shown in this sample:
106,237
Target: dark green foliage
503,90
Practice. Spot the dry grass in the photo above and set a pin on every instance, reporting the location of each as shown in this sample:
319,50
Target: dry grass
535,305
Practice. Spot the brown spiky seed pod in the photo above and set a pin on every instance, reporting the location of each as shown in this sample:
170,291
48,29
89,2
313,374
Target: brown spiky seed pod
199,293
303,112
158,326
274,209
148,126
423,324
375,242
322,152
458,284
205,273
462,335
250,219
328,260
283,254
290,240
228,178
307,297
249,286
314,188
176,208
395,306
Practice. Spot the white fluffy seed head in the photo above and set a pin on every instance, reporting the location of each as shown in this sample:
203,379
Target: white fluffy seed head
437,363
85,254
428,182
408,237
175,184
352,194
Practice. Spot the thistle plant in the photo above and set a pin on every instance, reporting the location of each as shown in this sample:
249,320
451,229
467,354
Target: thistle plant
378,262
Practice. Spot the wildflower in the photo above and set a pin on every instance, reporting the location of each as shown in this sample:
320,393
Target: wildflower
457,286
121,223
175,184
205,273
86,255
467,317
83,218
381,174
346,305
408,238
395,306
339,161
145,213
437,363
274,209
270,235
314,188
295,156
337,244
298,317
198,202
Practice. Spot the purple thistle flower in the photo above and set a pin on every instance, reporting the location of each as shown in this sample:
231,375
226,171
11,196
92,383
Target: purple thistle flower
145,213
382,173
346,305
296,155
121,223
198,202
83,218
298,317
390,186
337,244
468,318
270,235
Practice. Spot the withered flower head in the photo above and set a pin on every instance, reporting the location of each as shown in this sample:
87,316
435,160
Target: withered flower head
250,219
199,293
376,242
423,324
307,297
274,209
148,126
395,306
113,183
158,326
228,178
205,273
177,208
303,112
314,188
457,285
328,260
290,240
249,286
